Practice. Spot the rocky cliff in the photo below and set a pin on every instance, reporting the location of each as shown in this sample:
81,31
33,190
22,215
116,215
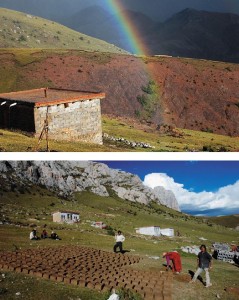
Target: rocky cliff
66,178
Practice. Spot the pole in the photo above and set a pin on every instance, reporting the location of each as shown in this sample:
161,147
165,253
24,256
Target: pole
45,130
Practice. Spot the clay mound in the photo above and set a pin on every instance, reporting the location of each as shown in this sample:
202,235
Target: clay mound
91,268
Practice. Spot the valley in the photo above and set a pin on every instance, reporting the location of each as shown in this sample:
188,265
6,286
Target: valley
23,208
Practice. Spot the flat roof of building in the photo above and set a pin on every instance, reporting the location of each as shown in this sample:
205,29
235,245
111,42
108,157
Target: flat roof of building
50,96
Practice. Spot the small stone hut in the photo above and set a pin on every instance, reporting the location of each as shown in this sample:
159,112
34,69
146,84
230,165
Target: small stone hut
69,114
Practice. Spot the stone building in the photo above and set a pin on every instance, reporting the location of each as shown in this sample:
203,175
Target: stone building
69,115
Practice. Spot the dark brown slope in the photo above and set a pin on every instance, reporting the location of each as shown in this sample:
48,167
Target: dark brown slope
199,95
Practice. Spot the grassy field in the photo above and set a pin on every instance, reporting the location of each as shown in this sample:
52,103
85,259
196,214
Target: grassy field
32,206
190,141
21,30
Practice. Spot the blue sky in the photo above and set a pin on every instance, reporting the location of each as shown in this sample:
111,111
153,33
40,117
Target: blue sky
196,175
201,187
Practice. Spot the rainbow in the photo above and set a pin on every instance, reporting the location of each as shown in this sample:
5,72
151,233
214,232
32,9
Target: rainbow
127,28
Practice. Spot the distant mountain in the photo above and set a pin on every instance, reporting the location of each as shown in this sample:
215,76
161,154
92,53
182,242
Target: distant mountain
97,22
67,178
20,30
189,33
198,34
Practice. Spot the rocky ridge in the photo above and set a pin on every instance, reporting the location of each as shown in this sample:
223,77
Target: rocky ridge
66,178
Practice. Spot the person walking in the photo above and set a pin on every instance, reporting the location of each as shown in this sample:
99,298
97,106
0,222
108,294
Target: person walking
204,262
119,238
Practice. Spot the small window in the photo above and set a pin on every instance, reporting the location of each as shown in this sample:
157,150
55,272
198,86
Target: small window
66,105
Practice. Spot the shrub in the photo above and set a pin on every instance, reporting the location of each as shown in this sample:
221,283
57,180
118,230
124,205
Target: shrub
142,100
22,38
110,231
149,89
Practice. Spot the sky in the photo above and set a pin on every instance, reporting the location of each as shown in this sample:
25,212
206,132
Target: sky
159,10
201,187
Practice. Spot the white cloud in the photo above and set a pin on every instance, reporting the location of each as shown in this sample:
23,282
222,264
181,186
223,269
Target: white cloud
224,198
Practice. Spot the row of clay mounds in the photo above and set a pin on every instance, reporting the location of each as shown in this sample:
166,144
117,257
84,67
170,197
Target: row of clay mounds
90,268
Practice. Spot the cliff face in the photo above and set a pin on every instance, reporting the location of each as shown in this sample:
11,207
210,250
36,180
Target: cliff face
66,178
167,197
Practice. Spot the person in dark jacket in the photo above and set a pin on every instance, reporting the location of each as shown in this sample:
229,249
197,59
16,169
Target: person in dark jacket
204,262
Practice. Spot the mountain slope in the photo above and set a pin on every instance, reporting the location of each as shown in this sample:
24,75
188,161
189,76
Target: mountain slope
198,34
67,178
189,33
21,30
227,221
97,22
192,94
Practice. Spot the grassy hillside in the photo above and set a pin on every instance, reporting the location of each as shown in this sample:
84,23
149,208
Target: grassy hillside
20,30
189,140
32,206
228,221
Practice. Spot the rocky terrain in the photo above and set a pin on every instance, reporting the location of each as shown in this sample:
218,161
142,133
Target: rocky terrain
66,178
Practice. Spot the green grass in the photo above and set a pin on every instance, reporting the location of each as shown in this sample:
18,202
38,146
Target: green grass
190,141
12,141
43,289
34,205
21,30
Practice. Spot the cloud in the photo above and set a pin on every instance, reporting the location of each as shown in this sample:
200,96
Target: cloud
225,198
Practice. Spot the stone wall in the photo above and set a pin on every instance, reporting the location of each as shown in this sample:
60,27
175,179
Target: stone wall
72,121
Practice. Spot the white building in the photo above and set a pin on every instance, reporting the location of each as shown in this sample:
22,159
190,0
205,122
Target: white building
69,217
155,231
167,232
151,230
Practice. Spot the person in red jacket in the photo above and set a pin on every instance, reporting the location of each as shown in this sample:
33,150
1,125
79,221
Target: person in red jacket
175,258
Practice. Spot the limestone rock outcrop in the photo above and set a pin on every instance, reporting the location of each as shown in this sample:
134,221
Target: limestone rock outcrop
68,177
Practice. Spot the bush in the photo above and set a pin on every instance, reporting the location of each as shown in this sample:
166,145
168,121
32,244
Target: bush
142,100
149,89
110,231
22,38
